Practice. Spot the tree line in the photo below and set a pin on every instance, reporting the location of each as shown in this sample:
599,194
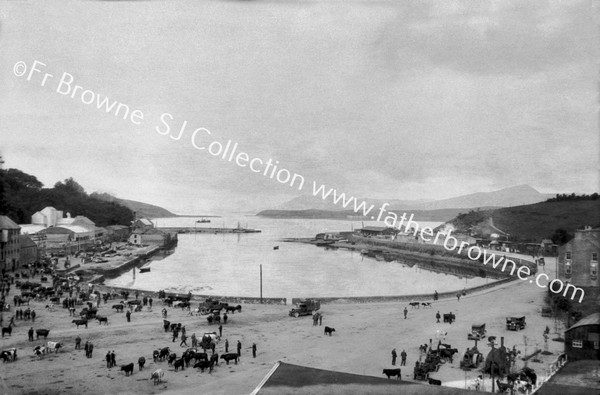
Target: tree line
561,197
22,194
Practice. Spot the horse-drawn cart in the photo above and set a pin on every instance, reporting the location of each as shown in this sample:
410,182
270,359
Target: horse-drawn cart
477,332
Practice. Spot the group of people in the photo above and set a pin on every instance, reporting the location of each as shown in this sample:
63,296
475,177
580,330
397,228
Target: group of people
110,359
26,314
403,356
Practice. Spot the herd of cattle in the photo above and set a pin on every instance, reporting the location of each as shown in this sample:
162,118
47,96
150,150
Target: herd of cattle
198,358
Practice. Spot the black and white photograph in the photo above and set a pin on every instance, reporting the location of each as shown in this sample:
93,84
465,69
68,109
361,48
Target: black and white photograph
253,197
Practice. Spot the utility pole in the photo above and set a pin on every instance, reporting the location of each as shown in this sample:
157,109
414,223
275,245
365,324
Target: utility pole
261,298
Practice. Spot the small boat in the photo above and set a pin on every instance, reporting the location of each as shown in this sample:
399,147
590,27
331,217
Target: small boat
145,268
203,221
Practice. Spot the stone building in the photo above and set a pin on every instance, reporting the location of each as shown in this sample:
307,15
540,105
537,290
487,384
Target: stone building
10,245
578,259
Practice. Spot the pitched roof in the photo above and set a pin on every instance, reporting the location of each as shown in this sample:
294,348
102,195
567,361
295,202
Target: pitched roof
26,241
376,228
592,319
7,223
285,378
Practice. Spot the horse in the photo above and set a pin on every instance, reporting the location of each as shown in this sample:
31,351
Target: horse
7,329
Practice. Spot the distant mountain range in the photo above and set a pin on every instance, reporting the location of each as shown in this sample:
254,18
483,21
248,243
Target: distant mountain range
513,196
141,209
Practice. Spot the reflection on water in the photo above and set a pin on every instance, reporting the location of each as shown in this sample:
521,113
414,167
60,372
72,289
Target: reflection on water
229,264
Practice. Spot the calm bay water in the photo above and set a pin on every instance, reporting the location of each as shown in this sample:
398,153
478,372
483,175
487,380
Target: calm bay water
229,264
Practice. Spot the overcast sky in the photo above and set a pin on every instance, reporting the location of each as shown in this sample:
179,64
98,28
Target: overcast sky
386,99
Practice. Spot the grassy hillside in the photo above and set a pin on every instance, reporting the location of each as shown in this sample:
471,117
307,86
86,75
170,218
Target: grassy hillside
540,220
534,222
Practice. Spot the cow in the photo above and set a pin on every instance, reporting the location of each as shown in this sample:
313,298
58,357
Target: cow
40,350
205,365
426,304
180,363
392,372
166,325
42,332
434,381
9,355
200,356
230,356
54,346
141,363
414,305
128,369
80,322
329,331
157,376
102,319
172,358
164,353
118,307
448,353
7,330
232,309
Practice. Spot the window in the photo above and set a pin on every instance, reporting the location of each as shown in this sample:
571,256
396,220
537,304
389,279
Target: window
568,268
594,269
568,255
577,343
594,257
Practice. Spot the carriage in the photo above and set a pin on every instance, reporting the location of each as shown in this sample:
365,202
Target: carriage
515,323
477,332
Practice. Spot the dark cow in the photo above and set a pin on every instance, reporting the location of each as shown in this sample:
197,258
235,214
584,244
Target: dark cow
42,332
172,358
166,325
102,319
232,309
128,369
230,356
329,331
118,307
7,330
164,353
180,363
200,356
414,305
80,322
434,381
204,365
449,318
391,373
141,363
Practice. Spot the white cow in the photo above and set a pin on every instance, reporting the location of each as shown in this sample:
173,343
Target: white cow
53,346
157,375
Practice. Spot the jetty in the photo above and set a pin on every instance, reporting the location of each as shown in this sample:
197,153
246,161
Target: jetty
208,230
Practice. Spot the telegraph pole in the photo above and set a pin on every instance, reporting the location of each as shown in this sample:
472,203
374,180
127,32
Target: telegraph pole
261,299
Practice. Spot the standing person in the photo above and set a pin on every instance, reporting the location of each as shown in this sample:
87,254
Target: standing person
164,312
226,345
213,345
405,312
90,349
78,343
136,295
33,315
403,356
183,331
174,335
150,301
435,295
458,296
394,356
239,348
113,359
438,316
30,333
320,319
194,340
108,364
220,330
225,318
128,315
253,350
183,340
86,347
